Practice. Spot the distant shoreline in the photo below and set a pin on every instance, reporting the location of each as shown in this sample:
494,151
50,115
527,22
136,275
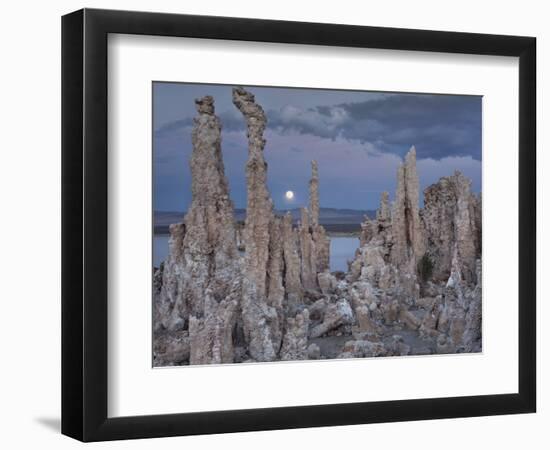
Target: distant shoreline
332,229
350,234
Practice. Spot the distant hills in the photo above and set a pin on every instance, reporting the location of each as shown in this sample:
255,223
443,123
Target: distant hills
333,219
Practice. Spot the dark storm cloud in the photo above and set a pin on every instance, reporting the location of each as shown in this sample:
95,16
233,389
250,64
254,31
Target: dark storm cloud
438,125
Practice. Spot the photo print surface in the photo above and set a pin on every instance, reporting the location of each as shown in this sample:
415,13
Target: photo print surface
308,224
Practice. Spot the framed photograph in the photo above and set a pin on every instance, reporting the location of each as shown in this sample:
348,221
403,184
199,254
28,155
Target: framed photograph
273,225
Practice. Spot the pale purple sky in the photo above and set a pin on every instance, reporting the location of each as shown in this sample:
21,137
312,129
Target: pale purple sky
357,137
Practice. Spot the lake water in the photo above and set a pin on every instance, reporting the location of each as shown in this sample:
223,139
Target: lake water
342,249
160,249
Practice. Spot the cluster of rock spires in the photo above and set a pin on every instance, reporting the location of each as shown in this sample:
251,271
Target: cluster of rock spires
265,292
420,269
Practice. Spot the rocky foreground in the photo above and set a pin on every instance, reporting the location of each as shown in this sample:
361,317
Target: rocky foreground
414,286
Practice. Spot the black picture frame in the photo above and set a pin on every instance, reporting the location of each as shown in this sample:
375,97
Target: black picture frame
84,224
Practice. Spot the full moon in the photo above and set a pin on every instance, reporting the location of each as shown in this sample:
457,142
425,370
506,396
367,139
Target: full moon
289,195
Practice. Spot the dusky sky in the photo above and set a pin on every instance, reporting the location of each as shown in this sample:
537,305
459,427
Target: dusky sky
358,139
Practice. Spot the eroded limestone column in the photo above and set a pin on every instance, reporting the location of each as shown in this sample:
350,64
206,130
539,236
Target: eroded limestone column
201,277
257,314
408,239
314,195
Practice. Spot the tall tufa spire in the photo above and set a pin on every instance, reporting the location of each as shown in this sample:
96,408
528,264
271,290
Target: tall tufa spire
314,195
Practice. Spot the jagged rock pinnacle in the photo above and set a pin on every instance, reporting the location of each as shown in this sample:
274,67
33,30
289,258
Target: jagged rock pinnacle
259,319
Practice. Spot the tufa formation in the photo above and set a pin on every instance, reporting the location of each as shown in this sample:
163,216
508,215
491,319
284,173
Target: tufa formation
263,291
